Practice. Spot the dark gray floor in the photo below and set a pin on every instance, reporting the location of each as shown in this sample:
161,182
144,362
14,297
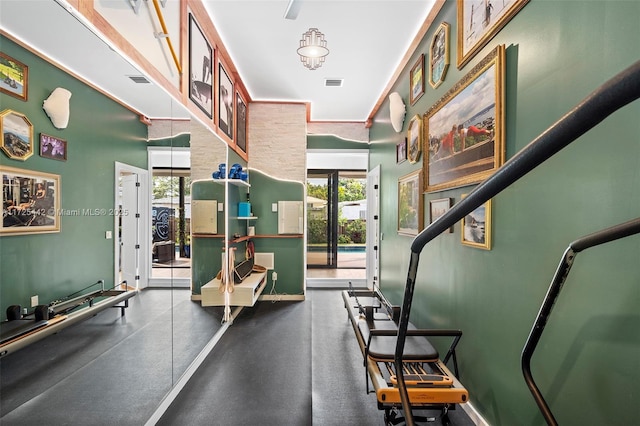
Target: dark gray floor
108,369
284,363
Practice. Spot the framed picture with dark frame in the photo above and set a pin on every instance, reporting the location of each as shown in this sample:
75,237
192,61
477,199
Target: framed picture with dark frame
466,128
241,124
401,151
416,78
14,77
414,139
438,208
30,202
479,21
17,135
439,55
225,102
53,147
410,204
476,227
200,69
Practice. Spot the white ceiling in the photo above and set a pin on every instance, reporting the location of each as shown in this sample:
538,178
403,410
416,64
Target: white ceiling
367,40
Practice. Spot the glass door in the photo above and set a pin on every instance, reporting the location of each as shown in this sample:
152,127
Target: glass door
322,218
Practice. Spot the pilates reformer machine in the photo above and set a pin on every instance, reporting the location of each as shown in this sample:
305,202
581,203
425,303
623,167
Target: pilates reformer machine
430,384
22,329
619,91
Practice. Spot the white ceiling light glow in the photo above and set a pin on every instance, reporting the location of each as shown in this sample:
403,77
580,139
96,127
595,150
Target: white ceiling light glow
313,49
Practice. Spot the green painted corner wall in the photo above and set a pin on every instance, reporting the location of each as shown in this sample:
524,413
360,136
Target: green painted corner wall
100,133
587,361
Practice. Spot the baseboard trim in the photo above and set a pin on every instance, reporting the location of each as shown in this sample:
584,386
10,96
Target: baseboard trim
473,414
336,283
282,297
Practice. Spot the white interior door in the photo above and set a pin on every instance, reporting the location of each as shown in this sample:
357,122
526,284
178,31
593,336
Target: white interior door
129,229
373,227
131,223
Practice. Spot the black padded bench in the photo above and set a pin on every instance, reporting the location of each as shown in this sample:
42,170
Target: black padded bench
429,383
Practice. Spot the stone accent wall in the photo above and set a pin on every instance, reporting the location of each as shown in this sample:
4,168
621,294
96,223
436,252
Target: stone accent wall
207,151
278,139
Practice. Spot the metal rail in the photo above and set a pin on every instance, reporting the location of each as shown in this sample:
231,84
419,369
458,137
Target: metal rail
617,92
613,233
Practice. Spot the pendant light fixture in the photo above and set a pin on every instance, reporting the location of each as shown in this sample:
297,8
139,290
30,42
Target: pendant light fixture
313,49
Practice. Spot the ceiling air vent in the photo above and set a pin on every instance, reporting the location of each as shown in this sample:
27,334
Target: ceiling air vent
138,79
333,82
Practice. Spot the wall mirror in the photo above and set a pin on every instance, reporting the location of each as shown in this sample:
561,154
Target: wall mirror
164,329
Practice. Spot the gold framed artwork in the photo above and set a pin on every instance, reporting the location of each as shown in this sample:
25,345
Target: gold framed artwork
439,55
464,130
479,21
414,139
410,205
14,77
30,202
476,227
17,135
416,79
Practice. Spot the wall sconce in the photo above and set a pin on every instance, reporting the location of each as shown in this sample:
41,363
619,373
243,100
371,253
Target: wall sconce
313,49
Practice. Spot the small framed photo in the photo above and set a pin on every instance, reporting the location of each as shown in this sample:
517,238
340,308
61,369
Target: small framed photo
200,69
439,58
438,208
14,77
476,227
225,103
416,79
401,151
410,205
414,139
17,135
52,147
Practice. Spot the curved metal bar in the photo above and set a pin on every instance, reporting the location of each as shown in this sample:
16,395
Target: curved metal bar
613,233
617,92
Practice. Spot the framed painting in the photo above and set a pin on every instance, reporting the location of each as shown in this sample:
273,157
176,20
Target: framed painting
225,103
401,151
437,208
14,77
17,135
479,21
416,78
439,55
465,128
30,202
410,205
241,124
52,147
476,227
414,139
200,69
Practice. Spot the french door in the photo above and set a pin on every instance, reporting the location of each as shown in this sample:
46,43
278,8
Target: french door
322,218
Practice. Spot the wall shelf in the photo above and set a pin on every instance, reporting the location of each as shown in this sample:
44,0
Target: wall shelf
245,293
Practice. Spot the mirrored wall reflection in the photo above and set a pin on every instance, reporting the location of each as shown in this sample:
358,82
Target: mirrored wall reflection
126,362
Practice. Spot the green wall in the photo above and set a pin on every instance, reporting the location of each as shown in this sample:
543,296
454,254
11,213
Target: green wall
587,361
100,132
